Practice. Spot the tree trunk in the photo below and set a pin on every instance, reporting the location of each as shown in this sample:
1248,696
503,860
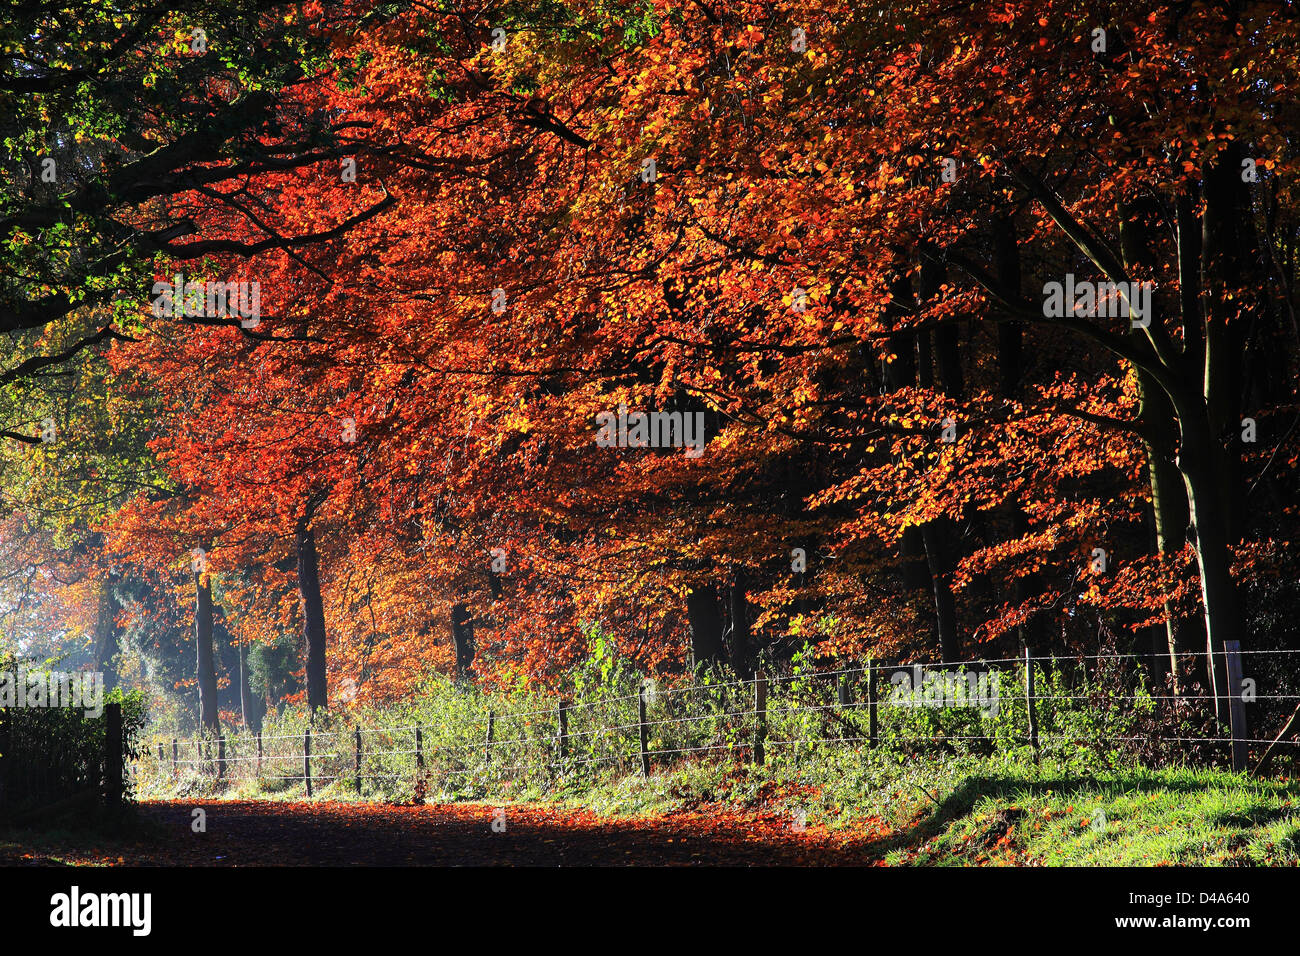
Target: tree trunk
1169,502
704,616
1231,278
107,633
313,615
939,535
1205,478
916,577
939,557
207,673
1168,494
739,646
901,373
248,703
1209,422
462,638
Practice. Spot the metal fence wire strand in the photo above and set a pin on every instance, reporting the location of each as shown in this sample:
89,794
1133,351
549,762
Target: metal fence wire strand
973,703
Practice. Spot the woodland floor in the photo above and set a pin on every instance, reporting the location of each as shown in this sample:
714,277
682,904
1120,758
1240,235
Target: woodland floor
254,833
719,815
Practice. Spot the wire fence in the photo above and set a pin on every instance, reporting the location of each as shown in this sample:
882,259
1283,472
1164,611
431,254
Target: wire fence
1099,706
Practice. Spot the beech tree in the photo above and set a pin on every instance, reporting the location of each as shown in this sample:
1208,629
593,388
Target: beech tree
981,317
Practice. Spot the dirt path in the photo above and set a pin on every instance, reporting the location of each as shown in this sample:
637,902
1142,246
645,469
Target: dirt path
249,833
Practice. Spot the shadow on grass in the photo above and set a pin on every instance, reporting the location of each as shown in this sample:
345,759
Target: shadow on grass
1001,790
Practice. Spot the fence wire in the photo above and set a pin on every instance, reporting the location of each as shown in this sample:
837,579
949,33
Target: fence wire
976,707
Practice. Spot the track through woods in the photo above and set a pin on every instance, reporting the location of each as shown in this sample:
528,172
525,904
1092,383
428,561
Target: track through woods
265,833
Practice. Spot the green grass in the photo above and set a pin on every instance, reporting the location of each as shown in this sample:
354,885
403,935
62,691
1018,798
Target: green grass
957,812
1139,818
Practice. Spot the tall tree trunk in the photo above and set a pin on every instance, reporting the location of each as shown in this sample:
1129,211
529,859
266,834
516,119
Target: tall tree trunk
739,647
939,535
1209,422
248,703
1231,277
1169,501
939,557
1204,476
313,615
462,638
207,673
901,373
704,617
107,633
916,576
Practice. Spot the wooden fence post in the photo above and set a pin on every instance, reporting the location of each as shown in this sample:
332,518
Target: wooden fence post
760,713
1236,706
492,723
873,728
221,756
113,755
564,728
161,758
1029,700
419,749
844,693
644,731
176,755
356,763
306,758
